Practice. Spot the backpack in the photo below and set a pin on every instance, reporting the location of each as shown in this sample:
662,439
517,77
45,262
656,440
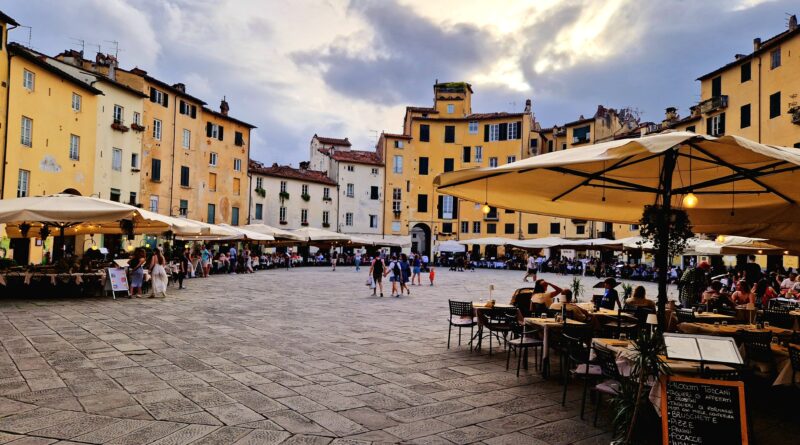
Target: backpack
396,269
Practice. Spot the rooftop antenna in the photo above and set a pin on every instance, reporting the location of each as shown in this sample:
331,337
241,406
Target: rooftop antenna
116,47
80,42
375,134
30,33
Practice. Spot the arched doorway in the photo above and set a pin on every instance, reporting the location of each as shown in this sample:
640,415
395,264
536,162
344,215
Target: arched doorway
421,239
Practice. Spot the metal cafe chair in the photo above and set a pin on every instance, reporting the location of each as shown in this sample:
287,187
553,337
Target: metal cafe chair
461,316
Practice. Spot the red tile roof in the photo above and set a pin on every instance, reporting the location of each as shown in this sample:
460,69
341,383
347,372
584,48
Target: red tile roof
288,172
357,157
333,141
493,115
421,110
397,136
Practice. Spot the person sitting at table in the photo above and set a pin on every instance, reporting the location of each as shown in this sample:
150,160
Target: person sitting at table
578,313
639,299
788,283
764,292
540,294
744,294
715,298
610,296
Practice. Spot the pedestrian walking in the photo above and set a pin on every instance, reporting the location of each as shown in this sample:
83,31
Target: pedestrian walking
416,266
358,261
432,274
334,259
376,270
205,260
405,274
232,254
183,267
532,270
395,275
136,268
158,274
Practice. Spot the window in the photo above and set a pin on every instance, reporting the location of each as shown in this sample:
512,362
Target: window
476,227
237,165
533,228
422,203
691,128
26,138
114,195
260,183
348,219
116,159
451,109
775,58
156,129
74,147
260,212
187,138
466,154
119,114
580,230
76,102
374,192
214,131
351,192
449,164
424,133
479,154
282,214
304,216
374,172
716,86
508,212
549,146
326,217
509,228
212,159
397,167
448,207
132,199
744,114
555,228
423,166
563,145
304,189
159,97
473,127
510,159
774,105
350,168
154,203
28,80
491,228
513,130
238,139
449,134
155,169
491,132
447,227
580,135
373,221
184,176
283,186
398,144
237,186
183,208
212,182
137,118
212,214
326,193
634,227
395,226
715,125
396,199
23,183
746,71
493,162
464,226
187,109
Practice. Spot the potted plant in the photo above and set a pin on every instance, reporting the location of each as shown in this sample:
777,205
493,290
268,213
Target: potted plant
306,197
326,225
577,289
283,223
304,223
137,127
261,192
283,195
627,291
119,127
327,198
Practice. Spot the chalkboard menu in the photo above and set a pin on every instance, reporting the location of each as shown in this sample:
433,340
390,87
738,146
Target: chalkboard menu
700,411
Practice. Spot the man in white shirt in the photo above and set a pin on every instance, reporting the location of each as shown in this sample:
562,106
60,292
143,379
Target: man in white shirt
532,269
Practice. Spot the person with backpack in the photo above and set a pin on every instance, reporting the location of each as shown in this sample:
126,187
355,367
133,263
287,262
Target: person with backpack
405,273
395,275
376,271
417,267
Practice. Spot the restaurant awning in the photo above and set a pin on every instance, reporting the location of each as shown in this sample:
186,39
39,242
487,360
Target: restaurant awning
278,234
321,236
541,243
379,240
488,241
450,246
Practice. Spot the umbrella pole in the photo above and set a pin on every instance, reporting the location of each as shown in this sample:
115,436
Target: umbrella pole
58,246
662,254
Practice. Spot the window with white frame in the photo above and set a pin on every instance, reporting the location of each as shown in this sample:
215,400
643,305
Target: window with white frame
447,207
214,131
397,167
74,147
374,171
451,108
473,127
478,154
395,226
398,144
212,159
237,165
494,132
492,162
28,80
716,125
116,159
326,217
23,183
513,130
26,138
118,114
373,221
156,129
397,194
351,190
135,161
259,182
304,189
304,216
350,168
154,203
283,186
187,138
511,159
348,219
326,193
282,214
76,102
137,118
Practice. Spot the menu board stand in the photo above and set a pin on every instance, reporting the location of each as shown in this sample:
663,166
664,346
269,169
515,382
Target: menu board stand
703,348
117,281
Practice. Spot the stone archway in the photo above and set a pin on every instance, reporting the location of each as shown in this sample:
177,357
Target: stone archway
421,239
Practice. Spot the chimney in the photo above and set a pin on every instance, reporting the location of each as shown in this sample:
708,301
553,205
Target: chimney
274,165
138,71
180,87
304,165
738,56
71,56
671,114
756,44
109,62
792,22
527,106
224,107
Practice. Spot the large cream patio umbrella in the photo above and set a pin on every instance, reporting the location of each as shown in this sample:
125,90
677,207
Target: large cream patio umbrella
313,235
488,241
278,234
739,187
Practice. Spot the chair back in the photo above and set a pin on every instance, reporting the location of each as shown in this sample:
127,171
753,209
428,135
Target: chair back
685,316
522,300
497,319
583,332
608,363
576,348
794,356
779,316
757,345
720,374
460,308
537,309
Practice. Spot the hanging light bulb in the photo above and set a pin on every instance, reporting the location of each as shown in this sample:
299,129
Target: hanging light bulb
721,239
486,209
690,200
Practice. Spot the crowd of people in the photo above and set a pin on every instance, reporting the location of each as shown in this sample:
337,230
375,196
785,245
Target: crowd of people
400,269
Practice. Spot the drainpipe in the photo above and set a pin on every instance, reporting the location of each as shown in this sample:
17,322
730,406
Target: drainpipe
5,131
172,171
759,99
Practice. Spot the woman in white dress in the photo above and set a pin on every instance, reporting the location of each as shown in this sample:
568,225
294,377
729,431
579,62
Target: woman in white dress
159,274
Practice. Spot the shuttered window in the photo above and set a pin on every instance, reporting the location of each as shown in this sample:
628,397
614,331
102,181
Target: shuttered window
449,134
775,105
424,133
423,166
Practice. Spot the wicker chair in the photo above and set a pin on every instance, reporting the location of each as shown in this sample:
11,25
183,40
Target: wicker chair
757,348
576,352
522,300
779,316
495,322
607,361
460,317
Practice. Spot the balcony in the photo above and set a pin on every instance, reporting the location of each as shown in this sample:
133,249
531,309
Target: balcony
119,125
795,113
580,140
137,127
713,104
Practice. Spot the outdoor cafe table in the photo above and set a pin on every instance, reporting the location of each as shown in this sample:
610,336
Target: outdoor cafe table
728,330
711,316
547,324
478,306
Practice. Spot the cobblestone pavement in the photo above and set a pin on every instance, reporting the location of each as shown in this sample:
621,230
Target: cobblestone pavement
305,356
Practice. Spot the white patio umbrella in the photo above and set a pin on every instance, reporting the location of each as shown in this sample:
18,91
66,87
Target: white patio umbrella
541,243
314,235
488,241
278,234
730,185
450,246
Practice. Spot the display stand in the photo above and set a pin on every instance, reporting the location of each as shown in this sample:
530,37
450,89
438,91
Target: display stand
117,282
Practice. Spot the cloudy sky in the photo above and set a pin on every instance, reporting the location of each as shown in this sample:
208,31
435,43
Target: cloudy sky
348,68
